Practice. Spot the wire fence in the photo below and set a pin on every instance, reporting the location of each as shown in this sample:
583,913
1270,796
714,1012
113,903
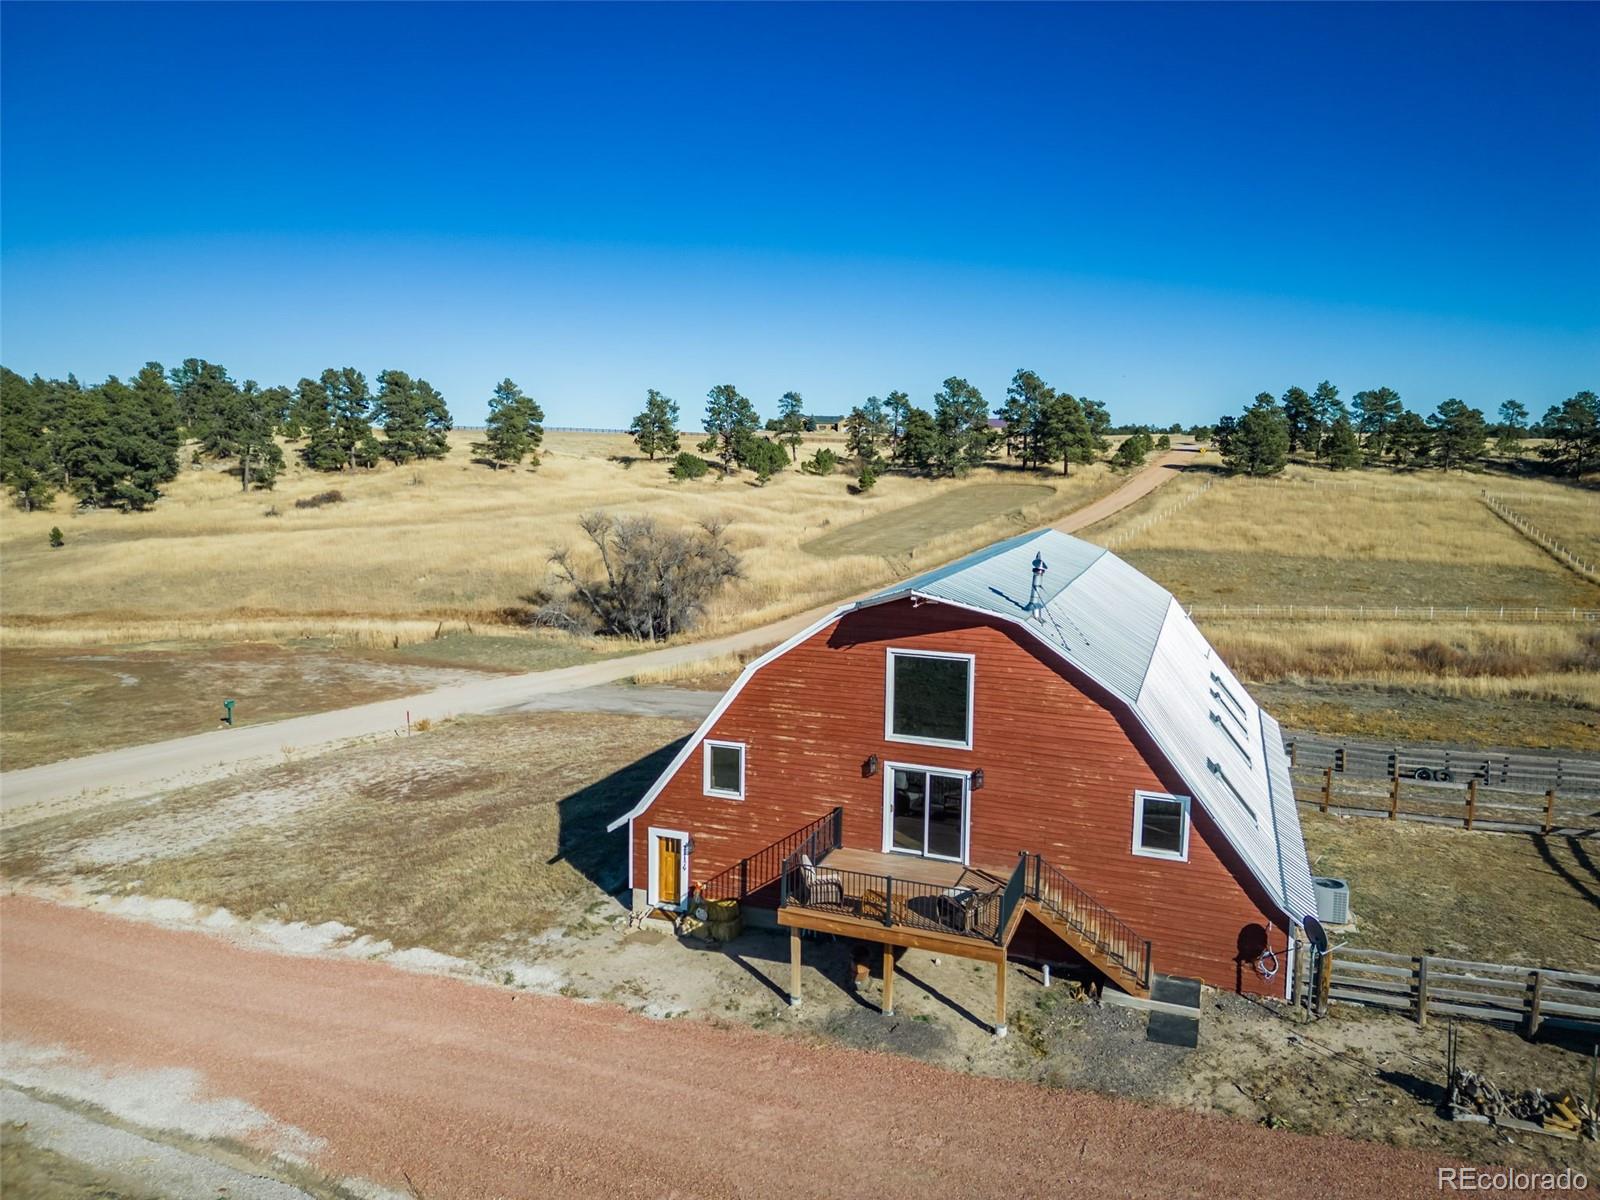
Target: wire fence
1123,536
1574,562
1387,612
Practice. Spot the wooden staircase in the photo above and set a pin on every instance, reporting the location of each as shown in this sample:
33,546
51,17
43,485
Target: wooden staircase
1112,946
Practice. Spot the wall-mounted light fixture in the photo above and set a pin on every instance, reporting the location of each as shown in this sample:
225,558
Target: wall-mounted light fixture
688,845
977,780
870,767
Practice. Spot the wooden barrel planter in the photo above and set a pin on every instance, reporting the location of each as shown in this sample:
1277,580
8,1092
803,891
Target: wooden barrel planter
724,920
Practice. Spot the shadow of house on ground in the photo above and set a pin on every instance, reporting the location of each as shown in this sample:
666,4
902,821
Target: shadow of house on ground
582,841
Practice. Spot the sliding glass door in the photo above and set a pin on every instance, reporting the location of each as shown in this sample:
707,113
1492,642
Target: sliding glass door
927,813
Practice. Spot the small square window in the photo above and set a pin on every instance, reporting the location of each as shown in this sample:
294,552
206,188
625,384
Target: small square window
1161,826
724,770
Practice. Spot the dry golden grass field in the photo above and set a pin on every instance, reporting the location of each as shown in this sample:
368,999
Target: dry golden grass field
419,565
1379,539
453,540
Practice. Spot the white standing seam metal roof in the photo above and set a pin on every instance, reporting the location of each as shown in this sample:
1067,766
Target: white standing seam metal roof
1127,634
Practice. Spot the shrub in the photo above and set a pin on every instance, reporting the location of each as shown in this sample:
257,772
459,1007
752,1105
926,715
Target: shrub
867,478
821,463
688,466
56,540
335,496
655,581
1133,450
765,458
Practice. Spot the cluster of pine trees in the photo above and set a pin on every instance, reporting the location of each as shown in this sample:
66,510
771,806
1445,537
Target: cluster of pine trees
1377,428
1039,427
114,444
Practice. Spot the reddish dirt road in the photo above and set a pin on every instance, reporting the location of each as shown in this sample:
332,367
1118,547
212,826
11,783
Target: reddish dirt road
475,1091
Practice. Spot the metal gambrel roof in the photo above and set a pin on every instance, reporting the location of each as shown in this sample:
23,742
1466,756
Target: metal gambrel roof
1128,634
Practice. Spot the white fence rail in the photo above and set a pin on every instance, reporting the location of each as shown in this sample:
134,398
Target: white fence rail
1580,564
1386,612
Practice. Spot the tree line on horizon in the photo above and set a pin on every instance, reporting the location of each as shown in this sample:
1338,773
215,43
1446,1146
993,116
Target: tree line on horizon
115,444
1037,425
1376,428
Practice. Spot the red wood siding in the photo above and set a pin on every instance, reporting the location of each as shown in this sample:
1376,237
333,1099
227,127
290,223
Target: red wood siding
1060,767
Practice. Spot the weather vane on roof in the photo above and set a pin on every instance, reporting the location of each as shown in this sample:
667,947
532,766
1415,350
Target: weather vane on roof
1039,568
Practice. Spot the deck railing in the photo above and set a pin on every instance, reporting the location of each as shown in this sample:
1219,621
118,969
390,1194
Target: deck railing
763,868
1069,903
893,902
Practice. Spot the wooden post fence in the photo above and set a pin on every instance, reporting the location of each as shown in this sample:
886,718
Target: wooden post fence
1422,990
1549,810
1394,790
1327,789
1472,800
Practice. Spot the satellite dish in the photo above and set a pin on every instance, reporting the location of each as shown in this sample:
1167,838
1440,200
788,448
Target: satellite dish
1315,934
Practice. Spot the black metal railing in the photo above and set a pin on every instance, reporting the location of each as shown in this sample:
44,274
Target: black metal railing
763,868
1096,923
894,902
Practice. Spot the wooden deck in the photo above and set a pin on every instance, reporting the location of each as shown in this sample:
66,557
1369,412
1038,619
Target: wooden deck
914,869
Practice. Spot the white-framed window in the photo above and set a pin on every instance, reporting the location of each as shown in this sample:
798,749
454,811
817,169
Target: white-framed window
928,698
1161,826
724,769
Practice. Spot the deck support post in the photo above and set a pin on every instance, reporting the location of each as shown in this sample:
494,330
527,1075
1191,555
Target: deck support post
1046,974
1000,998
888,980
794,968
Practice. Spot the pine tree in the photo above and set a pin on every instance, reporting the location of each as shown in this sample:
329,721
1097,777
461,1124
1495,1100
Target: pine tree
1300,415
313,413
349,419
1376,410
1325,410
1410,440
1135,448
1513,424
1339,444
730,420
1573,427
204,395
1259,444
791,422
1062,433
918,447
26,463
962,420
655,430
866,429
1099,418
251,427
1459,433
514,430
1026,399
416,423
897,408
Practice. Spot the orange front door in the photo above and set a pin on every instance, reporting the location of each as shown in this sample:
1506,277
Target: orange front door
669,870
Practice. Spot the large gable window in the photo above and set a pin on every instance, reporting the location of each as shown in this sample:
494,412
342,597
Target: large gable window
1161,826
929,698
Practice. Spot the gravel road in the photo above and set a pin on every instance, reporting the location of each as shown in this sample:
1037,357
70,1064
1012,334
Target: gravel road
134,770
476,1091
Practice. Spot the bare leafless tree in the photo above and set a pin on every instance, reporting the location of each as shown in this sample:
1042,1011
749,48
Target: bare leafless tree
654,581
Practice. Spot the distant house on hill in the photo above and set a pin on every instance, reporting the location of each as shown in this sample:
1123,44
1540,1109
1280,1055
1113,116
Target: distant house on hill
1031,753
833,421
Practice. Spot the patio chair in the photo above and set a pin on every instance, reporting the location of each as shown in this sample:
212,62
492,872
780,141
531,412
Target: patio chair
818,886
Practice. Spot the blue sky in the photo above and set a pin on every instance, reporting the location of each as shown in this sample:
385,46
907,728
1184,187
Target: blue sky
1167,208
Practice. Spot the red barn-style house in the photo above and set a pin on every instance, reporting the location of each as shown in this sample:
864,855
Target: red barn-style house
1031,753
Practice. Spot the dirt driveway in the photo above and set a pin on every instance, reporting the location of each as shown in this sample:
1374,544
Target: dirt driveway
476,1091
